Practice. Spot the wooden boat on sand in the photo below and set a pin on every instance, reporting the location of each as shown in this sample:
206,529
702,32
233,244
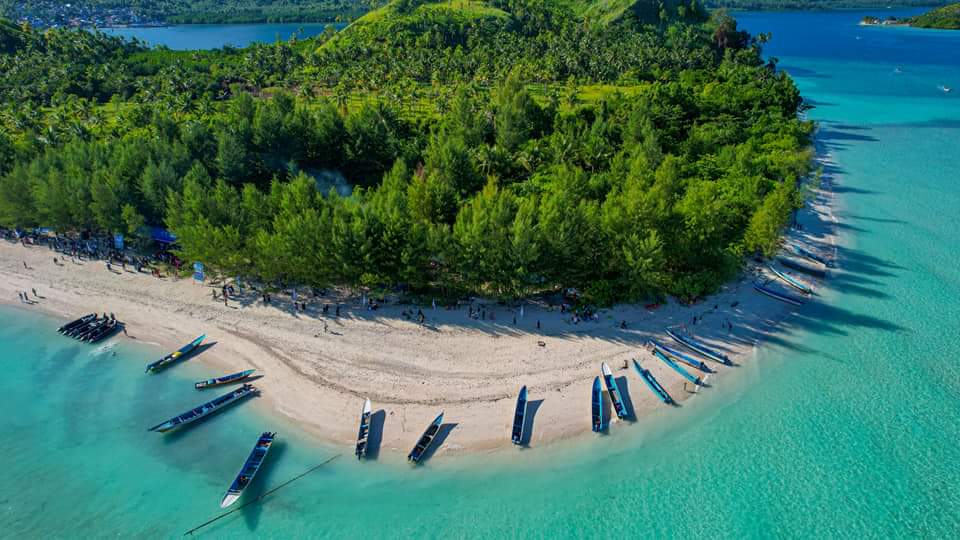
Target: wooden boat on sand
697,347
786,298
425,440
519,417
249,470
226,379
614,391
598,422
652,383
179,354
364,433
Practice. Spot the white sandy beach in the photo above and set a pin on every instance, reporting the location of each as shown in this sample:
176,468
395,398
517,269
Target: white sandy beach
470,369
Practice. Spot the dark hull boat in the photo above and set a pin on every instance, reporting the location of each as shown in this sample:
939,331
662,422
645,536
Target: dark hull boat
425,440
653,384
204,410
519,417
73,324
614,391
364,434
226,379
249,470
103,332
82,329
179,354
598,422
812,256
785,298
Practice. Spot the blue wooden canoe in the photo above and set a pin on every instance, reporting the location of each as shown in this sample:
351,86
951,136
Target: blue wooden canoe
653,384
614,391
777,295
676,367
791,281
698,347
681,357
812,256
598,421
425,440
519,417
179,354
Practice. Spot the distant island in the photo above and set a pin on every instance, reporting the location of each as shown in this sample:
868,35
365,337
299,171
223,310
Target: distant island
944,18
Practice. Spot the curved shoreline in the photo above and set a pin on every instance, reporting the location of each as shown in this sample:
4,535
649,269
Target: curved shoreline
470,369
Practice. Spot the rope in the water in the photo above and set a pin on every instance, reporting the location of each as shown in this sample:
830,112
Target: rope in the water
261,497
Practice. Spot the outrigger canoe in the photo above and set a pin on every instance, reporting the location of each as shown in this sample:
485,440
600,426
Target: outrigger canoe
791,281
425,440
519,417
179,354
681,357
364,432
777,296
205,410
597,419
676,367
226,379
698,347
613,390
249,470
653,384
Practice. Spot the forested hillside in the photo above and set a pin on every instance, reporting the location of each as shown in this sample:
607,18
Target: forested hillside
946,18
505,147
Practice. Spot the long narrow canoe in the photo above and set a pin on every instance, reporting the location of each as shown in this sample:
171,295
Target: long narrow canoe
801,266
812,256
681,357
676,367
652,383
364,432
599,423
179,354
204,410
103,332
81,331
73,324
778,296
519,417
698,347
791,281
614,391
98,327
425,440
249,470
226,379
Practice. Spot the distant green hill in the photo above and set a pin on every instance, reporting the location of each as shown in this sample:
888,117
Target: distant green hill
947,17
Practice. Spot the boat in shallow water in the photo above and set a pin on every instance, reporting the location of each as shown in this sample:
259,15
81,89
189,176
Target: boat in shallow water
364,433
179,354
697,347
791,281
425,440
205,410
73,324
777,295
519,417
614,391
249,470
652,383
681,357
598,422
103,331
226,379
676,367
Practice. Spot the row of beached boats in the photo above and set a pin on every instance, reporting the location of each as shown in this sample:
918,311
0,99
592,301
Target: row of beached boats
91,328
810,263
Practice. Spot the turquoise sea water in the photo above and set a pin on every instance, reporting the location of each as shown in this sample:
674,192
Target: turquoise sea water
215,36
847,425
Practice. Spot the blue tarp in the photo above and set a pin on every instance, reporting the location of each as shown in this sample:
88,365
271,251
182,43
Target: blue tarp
159,234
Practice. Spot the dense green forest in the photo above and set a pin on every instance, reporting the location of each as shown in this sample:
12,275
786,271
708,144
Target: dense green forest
947,18
505,147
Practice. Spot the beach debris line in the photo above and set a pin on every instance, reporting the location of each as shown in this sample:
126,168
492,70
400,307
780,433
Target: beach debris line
262,496
597,418
249,469
364,433
205,410
425,440
180,354
225,380
614,391
519,417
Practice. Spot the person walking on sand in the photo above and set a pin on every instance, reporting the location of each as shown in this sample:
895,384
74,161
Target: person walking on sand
325,328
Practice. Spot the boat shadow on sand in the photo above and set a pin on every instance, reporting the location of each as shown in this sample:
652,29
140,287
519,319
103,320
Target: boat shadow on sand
442,434
528,419
375,435
624,388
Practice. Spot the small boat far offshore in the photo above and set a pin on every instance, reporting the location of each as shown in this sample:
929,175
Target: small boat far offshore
698,347
614,391
249,470
519,417
777,295
425,440
364,433
226,379
652,383
204,410
791,281
179,354
598,422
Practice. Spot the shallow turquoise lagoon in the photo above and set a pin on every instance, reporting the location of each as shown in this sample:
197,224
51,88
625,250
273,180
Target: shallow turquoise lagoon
846,425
